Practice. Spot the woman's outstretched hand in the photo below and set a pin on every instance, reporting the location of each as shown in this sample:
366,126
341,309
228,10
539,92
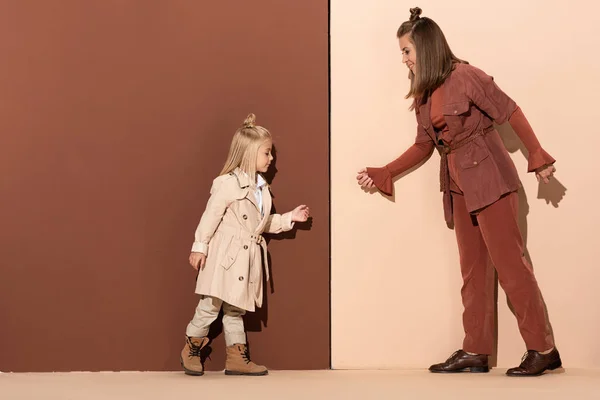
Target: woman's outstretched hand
363,179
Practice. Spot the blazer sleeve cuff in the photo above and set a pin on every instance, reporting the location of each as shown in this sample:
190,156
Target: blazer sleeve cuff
538,159
382,178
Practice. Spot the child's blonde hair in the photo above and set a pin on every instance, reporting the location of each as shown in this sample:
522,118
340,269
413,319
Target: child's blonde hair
243,151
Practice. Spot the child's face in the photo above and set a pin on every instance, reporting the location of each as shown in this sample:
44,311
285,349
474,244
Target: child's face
264,157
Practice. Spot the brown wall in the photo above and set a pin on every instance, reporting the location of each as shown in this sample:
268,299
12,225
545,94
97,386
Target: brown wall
115,116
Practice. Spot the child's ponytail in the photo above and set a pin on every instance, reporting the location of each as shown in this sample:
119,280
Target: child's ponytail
250,121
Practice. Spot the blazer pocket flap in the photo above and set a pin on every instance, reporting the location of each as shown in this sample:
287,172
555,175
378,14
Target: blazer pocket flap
472,156
457,108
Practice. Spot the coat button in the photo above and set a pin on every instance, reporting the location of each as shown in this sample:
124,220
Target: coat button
474,162
455,112
245,216
241,278
245,247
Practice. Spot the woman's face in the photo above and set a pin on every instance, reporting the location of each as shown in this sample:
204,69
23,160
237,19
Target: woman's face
409,53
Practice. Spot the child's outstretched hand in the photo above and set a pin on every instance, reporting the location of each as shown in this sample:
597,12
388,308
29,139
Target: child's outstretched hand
300,214
198,260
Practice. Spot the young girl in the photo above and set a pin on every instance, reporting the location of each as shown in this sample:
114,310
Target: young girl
229,249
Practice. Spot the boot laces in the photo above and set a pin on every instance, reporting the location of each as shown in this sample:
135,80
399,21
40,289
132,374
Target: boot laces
194,350
245,355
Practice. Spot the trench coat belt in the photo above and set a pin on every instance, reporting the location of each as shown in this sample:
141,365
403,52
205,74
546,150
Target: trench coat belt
444,150
259,240
258,253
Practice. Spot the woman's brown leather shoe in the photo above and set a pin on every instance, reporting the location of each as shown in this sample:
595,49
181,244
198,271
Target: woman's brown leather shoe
535,364
462,362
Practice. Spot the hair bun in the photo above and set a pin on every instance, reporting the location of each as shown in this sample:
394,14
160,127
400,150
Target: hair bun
249,121
415,14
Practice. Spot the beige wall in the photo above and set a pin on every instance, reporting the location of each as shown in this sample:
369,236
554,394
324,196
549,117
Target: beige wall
395,274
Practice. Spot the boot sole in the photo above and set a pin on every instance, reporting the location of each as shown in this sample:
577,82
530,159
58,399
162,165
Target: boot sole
189,371
473,370
238,373
555,365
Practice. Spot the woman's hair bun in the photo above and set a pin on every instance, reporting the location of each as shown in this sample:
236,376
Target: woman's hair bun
415,14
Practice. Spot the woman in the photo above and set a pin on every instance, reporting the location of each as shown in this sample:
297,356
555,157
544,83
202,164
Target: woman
456,105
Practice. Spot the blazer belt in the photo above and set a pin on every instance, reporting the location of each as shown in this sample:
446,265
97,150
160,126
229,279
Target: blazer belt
446,149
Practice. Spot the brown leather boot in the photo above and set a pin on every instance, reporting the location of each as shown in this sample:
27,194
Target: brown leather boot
238,362
535,364
190,355
460,361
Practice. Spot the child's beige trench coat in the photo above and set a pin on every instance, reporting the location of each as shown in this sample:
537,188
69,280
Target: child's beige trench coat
230,234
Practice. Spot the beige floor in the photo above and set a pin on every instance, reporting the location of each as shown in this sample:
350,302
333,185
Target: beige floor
291,385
